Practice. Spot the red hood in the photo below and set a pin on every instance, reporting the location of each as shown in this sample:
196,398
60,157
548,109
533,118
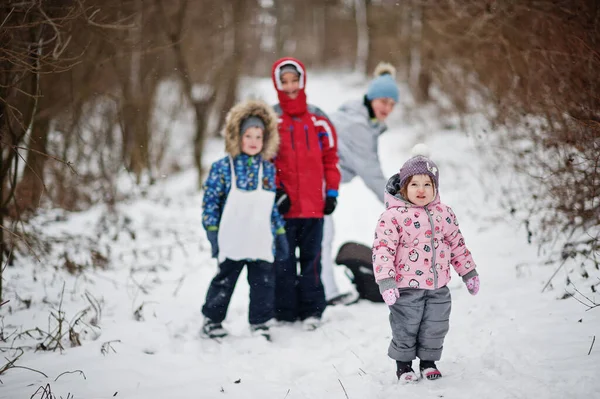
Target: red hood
296,106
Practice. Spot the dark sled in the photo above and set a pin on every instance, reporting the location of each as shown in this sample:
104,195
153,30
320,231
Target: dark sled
357,258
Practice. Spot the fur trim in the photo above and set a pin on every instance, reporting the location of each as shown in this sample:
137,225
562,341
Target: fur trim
384,67
237,114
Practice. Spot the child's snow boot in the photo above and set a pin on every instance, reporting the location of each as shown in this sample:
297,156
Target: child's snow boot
212,329
261,330
429,370
311,323
405,373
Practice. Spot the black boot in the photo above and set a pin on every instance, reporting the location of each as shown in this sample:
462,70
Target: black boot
213,329
405,373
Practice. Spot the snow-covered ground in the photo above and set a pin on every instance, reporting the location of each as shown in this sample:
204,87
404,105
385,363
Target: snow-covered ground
140,328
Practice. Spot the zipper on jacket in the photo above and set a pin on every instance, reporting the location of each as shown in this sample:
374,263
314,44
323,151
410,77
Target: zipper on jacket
292,136
435,274
306,135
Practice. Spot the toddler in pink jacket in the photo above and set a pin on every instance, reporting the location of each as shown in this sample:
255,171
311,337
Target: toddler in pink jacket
417,239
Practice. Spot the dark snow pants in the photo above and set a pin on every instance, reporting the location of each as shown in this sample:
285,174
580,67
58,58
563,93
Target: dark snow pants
300,295
261,277
420,320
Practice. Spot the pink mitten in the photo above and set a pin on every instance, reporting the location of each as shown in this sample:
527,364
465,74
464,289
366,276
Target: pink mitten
390,295
473,285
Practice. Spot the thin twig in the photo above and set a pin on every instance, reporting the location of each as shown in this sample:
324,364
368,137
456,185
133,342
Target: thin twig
28,368
67,163
7,16
592,345
57,51
46,392
345,393
71,372
351,351
577,299
11,363
554,274
99,25
179,284
335,368
22,239
589,300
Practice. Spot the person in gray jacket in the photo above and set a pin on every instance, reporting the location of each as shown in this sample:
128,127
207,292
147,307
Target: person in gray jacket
359,123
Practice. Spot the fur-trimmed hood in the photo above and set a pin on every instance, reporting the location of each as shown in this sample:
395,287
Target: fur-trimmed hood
233,122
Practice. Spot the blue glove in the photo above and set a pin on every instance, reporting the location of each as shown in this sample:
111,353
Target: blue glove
282,247
213,238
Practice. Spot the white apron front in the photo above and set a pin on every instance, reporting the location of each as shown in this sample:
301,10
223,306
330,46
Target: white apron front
245,228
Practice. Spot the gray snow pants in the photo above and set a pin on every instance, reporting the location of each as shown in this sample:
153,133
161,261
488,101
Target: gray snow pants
420,320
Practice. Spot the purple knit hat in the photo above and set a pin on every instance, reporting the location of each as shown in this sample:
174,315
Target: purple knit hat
419,164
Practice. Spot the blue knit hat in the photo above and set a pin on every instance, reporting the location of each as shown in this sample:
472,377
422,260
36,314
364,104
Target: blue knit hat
384,85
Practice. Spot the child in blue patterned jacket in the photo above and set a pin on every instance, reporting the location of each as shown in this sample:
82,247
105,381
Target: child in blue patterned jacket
241,219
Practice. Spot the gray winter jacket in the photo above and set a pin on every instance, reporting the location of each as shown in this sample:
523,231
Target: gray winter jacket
357,145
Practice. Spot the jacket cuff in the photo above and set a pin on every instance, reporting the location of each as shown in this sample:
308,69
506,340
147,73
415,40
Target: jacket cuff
280,230
212,228
332,193
467,276
386,284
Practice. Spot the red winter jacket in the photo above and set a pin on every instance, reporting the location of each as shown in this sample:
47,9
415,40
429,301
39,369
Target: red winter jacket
307,161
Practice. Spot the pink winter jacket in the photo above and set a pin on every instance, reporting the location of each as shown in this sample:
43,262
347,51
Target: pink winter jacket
414,246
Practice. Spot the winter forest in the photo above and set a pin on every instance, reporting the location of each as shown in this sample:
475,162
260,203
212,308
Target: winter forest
112,111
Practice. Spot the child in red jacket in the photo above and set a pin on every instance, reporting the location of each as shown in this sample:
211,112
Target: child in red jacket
308,178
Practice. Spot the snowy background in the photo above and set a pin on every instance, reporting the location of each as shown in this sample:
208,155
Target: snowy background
138,317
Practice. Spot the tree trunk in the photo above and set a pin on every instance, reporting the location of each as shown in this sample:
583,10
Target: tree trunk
19,91
138,96
280,28
2,207
235,60
371,61
201,105
322,20
31,187
426,56
201,108
407,32
362,37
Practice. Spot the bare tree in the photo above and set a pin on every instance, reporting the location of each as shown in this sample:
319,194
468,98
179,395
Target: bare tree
35,36
201,103
362,40
544,91
424,79
237,14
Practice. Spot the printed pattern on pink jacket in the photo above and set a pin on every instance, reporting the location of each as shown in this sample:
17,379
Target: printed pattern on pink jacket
415,245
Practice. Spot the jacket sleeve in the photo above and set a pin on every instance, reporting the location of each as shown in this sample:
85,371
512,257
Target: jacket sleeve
385,245
214,198
369,169
277,222
328,140
460,256
358,152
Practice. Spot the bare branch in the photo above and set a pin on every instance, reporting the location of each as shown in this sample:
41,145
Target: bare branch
90,21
